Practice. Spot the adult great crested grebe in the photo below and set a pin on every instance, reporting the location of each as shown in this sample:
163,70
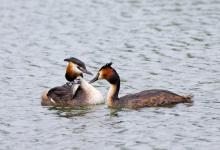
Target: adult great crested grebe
74,93
147,98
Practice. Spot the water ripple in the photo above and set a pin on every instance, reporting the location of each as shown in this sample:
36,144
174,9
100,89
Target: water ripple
153,44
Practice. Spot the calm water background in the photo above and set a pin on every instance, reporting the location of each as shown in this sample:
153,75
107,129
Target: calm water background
173,45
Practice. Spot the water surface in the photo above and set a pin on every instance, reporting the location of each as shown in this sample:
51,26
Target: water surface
171,45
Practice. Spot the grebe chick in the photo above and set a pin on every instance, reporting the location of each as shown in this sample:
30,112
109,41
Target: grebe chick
77,92
147,98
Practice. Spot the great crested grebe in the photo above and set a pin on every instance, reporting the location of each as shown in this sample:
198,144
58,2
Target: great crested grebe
147,98
77,92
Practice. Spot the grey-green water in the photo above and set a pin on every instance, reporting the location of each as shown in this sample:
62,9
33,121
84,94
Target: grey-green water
173,45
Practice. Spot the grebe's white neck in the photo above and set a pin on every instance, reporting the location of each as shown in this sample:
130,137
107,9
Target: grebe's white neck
93,95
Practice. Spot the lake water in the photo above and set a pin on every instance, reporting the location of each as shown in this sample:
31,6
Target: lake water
173,45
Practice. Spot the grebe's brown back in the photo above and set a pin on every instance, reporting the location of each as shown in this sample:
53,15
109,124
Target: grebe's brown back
147,98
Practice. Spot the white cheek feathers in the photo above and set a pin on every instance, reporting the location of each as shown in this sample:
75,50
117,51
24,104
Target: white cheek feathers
76,69
100,76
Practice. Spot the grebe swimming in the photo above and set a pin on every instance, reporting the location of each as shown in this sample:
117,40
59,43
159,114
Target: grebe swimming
147,98
77,92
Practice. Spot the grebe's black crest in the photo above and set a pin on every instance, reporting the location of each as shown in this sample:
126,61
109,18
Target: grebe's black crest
76,61
108,65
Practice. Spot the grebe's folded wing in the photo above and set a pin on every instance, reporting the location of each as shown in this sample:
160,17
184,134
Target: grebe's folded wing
64,92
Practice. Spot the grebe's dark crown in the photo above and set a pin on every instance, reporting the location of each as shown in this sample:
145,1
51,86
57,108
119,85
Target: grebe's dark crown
81,65
76,61
108,65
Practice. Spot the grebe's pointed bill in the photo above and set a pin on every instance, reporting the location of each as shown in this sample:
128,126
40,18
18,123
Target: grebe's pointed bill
85,70
94,79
